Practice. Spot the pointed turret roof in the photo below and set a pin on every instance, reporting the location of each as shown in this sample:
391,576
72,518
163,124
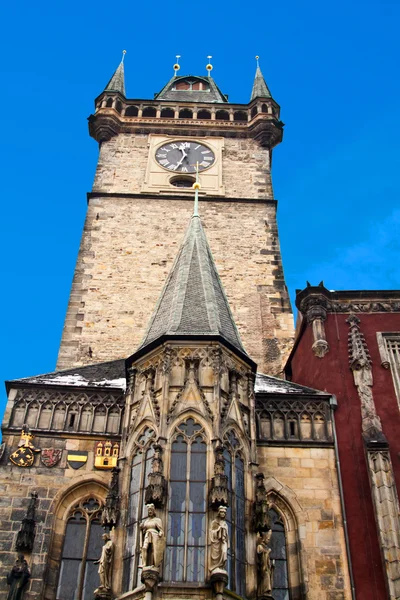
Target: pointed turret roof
117,81
260,88
193,303
211,94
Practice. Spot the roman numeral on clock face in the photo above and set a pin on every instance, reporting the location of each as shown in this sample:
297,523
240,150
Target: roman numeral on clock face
182,156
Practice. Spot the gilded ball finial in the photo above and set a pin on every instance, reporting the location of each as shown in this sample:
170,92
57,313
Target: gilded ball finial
177,65
196,185
209,66
123,55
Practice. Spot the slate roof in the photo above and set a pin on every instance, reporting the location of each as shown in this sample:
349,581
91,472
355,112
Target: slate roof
265,384
193,302
260,88
103,375
117,81
213,96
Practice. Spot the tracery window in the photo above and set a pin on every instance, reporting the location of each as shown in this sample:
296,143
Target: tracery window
234,470
186,530
141,467
82,546
389,349
279,555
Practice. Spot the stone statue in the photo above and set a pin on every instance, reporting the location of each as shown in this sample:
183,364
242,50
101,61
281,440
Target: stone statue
152,539
105,563
18,578
219,541
265,565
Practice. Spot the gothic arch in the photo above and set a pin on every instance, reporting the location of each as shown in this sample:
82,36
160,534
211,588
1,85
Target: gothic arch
194,414
57,519
133,438
294,517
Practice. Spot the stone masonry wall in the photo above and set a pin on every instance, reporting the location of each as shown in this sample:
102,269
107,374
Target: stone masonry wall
17,484
123,160
306,479
127,250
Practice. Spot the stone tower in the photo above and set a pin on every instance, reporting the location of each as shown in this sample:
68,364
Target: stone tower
177,471
140,199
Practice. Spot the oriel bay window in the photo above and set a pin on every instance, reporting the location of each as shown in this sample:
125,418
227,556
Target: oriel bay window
141,467
82,547
186,531
235,517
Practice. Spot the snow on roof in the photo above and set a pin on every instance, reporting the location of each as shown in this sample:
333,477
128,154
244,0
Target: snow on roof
265,384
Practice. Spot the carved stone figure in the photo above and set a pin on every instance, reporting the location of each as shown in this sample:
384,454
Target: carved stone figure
26,535
265,565
111,511
219,541
219,483
18,578
152,543
105,563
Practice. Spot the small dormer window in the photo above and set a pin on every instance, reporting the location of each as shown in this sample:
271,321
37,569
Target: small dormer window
191,85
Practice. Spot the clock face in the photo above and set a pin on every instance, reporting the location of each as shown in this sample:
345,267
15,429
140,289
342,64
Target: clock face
182,156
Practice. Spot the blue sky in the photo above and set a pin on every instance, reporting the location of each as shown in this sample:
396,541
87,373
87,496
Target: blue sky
333,68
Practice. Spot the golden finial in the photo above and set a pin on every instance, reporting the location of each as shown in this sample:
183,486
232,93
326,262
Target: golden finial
209,66
123,55
257,59
177,65
196,187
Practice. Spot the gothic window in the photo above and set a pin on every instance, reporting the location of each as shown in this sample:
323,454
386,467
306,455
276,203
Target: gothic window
204,114
19,414
109,103
222,115
141,467
118,106
279,555
45,416
254,111
185,113
132,111
234,470
99,418
167,113
32,415
186,529
82,546
240,115
264,108
113,420
389,349
149,111
59,416
86,418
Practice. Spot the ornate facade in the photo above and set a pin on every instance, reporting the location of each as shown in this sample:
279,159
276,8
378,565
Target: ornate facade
165,457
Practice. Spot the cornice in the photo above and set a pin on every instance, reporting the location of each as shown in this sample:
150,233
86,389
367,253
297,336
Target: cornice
162,196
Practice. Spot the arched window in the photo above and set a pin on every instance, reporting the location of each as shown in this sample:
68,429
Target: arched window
240,115
118,106
186,529
82,546
167,113
279,555
234,470
149,111
109,102
132,111
264,108
254,111
185,113
141,467
222,115
204,114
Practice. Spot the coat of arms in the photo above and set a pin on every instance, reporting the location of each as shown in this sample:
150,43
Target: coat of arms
24,455
50,456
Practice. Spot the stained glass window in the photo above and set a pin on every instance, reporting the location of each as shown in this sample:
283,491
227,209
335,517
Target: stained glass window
141,467
186,531
234,470
279,556
82,547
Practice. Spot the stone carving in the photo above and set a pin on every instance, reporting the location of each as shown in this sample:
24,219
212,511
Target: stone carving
219,541
50,456
24,455
219,483
360,363
315,308
111,510
156,491
265,566
26,535
261,519
152,547
153,541
18,578
191,381
105,563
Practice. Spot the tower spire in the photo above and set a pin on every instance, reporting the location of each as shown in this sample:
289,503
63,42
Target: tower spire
260,88
117,81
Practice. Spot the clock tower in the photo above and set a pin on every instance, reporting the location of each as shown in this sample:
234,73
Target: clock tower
142,197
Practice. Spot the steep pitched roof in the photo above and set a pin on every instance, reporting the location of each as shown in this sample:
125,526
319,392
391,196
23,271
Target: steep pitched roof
213,95
117,81
193,302
260,88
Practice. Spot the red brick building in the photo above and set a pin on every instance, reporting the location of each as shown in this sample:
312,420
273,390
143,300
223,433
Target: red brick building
348,343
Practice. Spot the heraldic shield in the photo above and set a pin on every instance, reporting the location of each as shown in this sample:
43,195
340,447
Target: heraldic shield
50,456
22,457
